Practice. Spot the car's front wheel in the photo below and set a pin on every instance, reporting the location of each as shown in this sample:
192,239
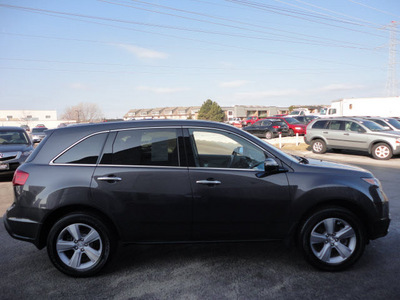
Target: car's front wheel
79,244
332,239
382,151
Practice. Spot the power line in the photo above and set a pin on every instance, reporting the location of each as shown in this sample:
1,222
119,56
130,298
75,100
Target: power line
376,9
29,9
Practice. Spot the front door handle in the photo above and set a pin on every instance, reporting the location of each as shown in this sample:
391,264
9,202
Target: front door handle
109,178
208,182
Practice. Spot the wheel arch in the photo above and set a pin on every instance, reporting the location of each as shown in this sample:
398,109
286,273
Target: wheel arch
357,210
378,142
54,216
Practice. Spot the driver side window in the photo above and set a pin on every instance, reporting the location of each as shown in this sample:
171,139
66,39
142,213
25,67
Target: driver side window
218,149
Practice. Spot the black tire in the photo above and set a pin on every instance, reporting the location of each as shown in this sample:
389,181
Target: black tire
318,146
69,242
291,132
268,135
382,151
332,239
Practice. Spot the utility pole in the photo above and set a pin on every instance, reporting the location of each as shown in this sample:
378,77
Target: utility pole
392,83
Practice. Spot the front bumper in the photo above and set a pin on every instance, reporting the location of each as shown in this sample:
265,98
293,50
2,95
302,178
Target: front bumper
380,228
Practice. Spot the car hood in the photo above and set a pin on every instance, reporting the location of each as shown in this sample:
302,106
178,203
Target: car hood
15,147
331,165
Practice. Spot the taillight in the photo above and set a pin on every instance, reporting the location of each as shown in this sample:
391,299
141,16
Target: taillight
20,177
276,126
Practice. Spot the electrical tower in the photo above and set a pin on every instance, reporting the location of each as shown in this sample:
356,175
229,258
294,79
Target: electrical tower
392,83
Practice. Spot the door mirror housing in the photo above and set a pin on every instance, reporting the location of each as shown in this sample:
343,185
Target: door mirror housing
271,166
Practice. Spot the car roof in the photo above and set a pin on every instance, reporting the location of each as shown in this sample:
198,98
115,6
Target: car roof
15,128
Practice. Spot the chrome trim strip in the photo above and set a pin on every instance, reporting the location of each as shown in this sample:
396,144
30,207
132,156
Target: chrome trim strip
22,220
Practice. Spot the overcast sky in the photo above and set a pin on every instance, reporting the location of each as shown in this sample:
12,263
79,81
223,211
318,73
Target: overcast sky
124,54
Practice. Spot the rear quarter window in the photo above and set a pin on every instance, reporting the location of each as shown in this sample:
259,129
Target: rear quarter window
85,152
320,124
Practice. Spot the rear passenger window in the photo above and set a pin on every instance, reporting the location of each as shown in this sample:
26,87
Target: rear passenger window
319,124
85,152
144,147
336,125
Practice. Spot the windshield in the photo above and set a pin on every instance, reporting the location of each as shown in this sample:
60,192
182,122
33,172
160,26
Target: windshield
292,121
37,130
295,113
8,137
373,126
394,123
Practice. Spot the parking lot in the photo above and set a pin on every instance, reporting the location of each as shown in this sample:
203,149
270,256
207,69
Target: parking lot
214,271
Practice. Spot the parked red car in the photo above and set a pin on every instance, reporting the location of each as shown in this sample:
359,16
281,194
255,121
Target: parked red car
250,121
294,125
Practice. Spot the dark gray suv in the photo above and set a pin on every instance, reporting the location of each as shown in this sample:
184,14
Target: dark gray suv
87,187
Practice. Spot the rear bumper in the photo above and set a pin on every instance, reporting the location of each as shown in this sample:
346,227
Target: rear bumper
22,229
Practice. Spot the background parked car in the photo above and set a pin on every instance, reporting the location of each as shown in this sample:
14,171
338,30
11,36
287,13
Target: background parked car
15,147
294,125
250,121
387,123
352,134
26,127
305,119
38,134
268,128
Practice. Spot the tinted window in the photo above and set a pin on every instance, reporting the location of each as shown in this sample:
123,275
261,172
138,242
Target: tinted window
152,147
13,137
214,149
394,123
292,121
319,124
85,152
336,125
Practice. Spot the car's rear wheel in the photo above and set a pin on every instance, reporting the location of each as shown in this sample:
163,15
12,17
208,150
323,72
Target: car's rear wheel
291,132
268,135
79,245
318,146
382,151
332,239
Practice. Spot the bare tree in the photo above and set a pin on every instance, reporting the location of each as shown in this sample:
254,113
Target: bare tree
83,112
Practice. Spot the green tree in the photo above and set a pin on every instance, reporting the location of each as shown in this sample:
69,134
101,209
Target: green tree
211,111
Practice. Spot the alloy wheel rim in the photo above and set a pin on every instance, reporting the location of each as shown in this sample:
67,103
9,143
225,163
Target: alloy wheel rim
317,147
382,151
79,246
333,240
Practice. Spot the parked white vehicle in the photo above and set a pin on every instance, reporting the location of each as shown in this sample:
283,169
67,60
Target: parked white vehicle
382,107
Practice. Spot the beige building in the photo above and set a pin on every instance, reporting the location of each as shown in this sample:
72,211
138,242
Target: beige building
191,112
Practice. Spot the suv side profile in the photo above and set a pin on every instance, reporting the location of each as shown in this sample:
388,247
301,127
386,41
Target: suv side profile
352,134
87,187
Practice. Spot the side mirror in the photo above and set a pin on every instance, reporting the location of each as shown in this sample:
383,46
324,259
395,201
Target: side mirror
271,166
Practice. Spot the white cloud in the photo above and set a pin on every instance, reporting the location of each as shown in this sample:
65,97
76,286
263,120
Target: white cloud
143,52
233,84
338,87
266,94
161,90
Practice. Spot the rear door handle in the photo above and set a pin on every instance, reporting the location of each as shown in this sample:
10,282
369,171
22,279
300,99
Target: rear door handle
346,134
208,182
109,178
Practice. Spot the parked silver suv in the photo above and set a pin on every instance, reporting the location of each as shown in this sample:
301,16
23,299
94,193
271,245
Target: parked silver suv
352,134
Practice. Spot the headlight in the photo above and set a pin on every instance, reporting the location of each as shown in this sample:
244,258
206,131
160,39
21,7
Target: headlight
26,153
297,128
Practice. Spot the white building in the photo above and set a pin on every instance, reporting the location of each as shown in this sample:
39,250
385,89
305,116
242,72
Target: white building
29,117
